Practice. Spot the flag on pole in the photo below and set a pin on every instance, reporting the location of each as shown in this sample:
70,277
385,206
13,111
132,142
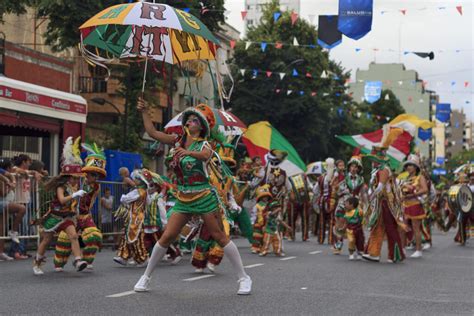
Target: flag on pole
397,152
262,137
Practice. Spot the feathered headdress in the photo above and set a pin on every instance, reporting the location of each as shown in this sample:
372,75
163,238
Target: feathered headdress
71,161
95,160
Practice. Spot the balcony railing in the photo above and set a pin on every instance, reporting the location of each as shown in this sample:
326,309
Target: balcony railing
92,85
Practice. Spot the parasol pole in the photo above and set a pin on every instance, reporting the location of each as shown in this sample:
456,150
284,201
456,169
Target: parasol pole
146,64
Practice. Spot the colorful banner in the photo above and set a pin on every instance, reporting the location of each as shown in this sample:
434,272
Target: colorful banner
372,91
425,134
355,18
443,112
328,34
439,172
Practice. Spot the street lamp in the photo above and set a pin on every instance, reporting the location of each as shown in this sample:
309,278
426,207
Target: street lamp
102,101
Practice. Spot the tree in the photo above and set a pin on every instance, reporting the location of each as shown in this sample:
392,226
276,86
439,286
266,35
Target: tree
308,121
383,108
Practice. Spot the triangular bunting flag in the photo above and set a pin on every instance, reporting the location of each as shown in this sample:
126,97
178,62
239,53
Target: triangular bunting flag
232,44
301,92
289,92
295,42
313,93
277,90
459,8
276,16
263,46
358,50
269,74
244,14
186,10
294,18
387,97
453,83
295,73
400,83
404,11
247,45
282,75
242,71
466,83
278,45
255,73
308,75
324,75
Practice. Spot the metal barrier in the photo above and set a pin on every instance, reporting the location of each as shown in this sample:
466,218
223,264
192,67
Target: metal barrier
36,201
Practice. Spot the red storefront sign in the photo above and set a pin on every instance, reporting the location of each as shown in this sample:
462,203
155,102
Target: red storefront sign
42,100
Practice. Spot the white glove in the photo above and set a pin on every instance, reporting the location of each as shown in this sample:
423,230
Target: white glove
79,193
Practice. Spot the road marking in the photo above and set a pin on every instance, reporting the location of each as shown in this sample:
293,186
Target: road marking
287,258
315,252
199,277
122,294
254,265
304,288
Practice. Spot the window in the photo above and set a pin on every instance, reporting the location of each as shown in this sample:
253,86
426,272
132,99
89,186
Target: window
15,145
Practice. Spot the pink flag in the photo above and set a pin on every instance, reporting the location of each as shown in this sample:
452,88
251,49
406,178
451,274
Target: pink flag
459,8
232,44
244,14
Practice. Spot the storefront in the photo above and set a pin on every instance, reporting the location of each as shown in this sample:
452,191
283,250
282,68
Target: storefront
36,120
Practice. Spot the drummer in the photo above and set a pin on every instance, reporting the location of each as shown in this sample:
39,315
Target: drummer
413,187
466,219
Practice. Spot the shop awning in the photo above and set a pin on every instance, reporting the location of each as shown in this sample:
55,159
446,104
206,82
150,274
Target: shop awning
30,98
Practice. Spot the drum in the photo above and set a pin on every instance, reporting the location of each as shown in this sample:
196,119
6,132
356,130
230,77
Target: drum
299,186
460,198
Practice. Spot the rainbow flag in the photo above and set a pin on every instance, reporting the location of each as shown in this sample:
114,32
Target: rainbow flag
262,137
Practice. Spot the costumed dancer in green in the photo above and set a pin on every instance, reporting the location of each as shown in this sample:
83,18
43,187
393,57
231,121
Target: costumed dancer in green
63,209
195,196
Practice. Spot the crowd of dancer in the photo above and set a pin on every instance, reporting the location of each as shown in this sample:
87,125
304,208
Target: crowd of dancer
207,196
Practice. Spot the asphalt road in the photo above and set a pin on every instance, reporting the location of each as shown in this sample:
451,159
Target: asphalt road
308,281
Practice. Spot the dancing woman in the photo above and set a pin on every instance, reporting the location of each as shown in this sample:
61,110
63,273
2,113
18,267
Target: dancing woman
195,196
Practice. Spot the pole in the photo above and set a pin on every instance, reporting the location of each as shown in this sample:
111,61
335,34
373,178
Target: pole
125,113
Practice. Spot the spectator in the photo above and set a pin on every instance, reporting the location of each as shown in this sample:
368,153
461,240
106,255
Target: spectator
106,208
38,166
7,185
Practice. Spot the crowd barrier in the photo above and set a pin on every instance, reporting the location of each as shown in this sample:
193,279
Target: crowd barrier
36,201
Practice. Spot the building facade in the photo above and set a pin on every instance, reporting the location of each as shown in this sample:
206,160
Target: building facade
37,109
455,133
255,9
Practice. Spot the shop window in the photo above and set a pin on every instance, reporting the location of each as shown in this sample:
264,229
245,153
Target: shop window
15,145
18,143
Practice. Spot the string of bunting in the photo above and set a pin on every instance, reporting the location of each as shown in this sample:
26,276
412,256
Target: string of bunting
294,16
279,45
402,11
325,75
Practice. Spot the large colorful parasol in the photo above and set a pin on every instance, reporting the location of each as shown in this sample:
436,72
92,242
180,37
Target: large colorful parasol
262,137
151,30
226,122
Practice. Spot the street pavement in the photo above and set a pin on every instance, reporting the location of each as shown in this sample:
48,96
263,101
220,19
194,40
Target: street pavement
308,281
